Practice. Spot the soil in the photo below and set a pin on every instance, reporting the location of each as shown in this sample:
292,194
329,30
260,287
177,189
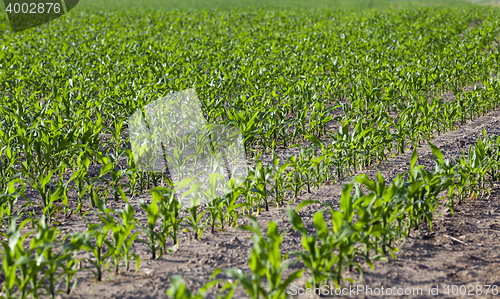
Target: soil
463,250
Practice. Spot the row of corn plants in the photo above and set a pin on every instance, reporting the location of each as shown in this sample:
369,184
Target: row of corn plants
373,221
367,226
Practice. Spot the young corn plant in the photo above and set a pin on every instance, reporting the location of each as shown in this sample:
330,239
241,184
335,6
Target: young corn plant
494,170
195,222
80,178
295,177
214,202
230,208
265,262
9,197
155,238
8,158
125,233
472,170
96,244
110,167
279,178
41,184
261,179
71,263
121,234
344,237
20,269
48,262
483,152
251,198
169,211
306,167
319,255
424,187
131,172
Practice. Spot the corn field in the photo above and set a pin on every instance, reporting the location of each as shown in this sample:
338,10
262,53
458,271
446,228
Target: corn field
318,96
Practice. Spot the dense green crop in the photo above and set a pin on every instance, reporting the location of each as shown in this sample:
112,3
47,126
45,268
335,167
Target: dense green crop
253,4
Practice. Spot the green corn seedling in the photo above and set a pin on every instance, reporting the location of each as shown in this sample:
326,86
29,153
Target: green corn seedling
153,212
265,261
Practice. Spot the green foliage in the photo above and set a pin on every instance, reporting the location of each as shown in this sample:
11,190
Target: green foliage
169,210
178,289
265,262
96,244
154,237
123,237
